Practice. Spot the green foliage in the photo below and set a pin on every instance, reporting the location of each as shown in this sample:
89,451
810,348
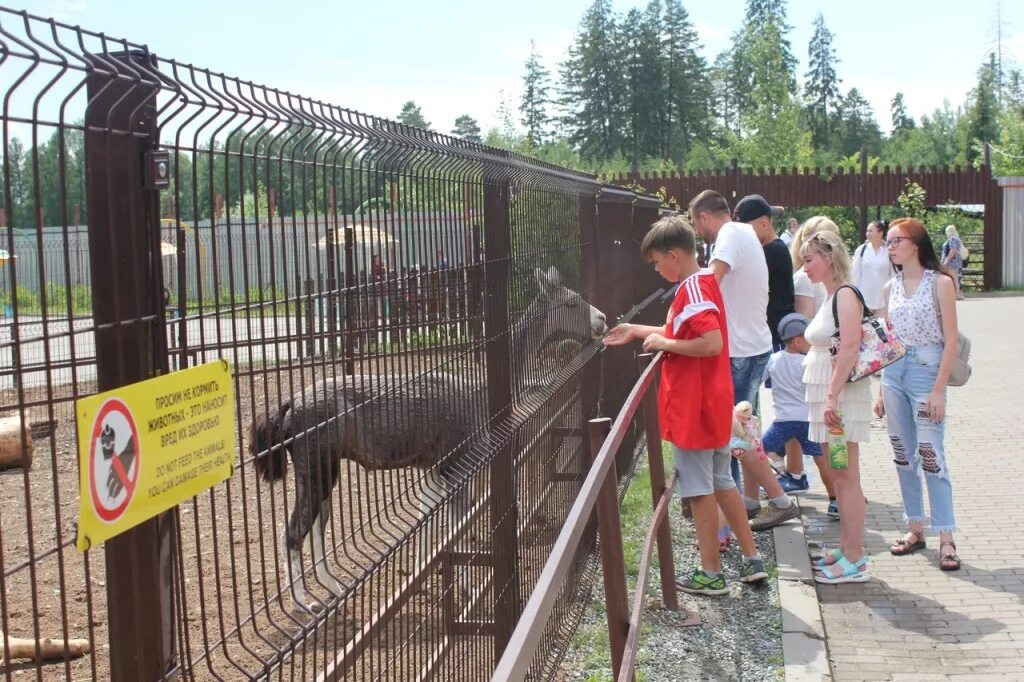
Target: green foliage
467,128
821,87
412,115
56,298
535,99
911,200
983,112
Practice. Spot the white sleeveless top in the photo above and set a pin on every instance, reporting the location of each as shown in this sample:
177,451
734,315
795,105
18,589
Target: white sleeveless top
915,319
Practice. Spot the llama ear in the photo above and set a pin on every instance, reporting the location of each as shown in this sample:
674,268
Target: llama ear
548,279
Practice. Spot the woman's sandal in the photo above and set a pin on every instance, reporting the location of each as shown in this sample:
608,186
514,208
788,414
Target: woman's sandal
903,548
852,572
948,562
821,561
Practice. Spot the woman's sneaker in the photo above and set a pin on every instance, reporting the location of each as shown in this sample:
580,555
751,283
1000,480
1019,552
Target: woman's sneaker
833,509
702,583
792,485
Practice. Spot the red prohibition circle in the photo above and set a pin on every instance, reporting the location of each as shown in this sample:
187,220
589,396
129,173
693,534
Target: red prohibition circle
106,514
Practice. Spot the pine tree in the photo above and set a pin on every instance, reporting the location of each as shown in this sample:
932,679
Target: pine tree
821,87
983,111
411,115
642,87
898,110
762,54
467,128
535,99
590,91
856,127
688,91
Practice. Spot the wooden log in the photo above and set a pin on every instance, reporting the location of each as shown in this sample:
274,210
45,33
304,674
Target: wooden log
48,648
14,451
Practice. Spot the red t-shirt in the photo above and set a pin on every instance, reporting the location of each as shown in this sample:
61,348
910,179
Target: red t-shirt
695,399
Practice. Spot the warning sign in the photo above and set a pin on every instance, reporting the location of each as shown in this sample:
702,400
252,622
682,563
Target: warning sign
147,447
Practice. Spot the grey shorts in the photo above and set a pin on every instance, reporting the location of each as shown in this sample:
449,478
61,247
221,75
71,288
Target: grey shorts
703,472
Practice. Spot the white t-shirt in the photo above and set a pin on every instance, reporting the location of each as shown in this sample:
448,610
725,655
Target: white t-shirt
871,270
786,237
745,290
786,371
803,286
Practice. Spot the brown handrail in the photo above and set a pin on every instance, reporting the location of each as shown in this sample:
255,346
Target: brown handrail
519,653
636,615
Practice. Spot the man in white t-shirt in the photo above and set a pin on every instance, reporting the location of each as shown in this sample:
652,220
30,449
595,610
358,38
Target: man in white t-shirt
738,262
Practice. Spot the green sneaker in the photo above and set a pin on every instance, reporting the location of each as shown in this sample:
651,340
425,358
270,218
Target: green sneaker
753,571
702,583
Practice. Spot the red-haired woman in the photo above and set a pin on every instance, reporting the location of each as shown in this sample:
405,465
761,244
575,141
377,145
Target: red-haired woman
914,388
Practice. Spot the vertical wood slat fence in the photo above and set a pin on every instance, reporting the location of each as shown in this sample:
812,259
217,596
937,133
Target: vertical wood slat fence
854,188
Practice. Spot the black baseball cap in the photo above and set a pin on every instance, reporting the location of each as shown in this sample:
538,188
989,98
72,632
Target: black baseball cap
753,206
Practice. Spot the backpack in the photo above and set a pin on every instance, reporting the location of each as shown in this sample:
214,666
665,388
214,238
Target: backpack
965,253
961,370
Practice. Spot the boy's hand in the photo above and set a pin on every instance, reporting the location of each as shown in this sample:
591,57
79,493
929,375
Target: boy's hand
620,335
655,343
879,407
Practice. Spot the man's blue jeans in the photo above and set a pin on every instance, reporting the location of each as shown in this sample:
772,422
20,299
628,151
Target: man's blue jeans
917,441
747,375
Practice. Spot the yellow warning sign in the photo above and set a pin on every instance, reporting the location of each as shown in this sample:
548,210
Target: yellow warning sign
147,447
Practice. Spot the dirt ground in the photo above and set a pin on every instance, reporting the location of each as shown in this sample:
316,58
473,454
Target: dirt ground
234,613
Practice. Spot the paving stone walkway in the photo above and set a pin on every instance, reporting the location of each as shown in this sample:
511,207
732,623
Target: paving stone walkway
913,621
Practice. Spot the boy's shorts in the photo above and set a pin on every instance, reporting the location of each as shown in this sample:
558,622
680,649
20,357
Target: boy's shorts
780,433
703,472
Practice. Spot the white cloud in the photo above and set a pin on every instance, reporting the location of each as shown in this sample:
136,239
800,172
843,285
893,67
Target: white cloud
921,96
68,10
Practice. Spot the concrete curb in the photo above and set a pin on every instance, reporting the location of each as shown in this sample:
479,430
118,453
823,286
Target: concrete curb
804,649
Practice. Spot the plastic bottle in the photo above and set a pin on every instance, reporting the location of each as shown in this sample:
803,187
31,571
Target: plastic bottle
837,453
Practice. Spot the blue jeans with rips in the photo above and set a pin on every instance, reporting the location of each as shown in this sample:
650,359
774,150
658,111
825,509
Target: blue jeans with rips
747,375
917,441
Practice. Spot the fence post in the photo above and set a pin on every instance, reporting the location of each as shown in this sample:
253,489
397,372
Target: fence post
863,192
311,316
656,463
504,512
613,562
124,257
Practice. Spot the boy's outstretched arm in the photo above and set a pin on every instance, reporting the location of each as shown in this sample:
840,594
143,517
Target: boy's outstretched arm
705,345
623,333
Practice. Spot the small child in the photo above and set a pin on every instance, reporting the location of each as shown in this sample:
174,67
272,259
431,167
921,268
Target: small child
784,376
695,399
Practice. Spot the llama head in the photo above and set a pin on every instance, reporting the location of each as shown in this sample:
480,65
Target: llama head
567,313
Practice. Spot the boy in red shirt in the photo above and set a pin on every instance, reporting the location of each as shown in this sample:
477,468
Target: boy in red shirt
695,399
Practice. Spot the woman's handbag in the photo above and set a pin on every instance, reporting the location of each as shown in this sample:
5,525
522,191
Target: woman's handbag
879,345
961,370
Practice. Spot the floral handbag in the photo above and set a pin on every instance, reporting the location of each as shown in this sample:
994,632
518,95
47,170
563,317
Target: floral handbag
879,345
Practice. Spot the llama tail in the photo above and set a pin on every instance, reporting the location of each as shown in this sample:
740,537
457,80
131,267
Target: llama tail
270,456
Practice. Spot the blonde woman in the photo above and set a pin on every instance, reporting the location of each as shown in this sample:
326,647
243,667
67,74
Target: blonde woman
832,400
807,299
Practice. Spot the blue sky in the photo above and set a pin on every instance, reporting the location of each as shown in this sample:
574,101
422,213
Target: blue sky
456,56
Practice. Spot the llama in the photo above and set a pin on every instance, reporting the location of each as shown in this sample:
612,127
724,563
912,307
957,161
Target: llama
425,420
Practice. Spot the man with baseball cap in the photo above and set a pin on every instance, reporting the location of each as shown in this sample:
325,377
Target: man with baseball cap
757,213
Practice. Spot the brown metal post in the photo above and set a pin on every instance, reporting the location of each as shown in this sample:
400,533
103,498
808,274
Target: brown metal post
124,255
656,463
862,191
504,511
310,319
613,561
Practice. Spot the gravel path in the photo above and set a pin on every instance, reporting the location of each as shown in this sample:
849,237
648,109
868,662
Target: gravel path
741,636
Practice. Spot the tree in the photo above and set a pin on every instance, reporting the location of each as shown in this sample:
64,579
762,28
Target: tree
983,111
643,92
762,58
535,99
898,110
591,85
857,126
411,115
467,128
821,87
688,93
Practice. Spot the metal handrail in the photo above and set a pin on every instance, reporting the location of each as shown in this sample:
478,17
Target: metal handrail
522,646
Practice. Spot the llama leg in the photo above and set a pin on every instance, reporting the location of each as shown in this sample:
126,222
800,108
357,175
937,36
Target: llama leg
458,506
298,529
431,492
323,575
292,559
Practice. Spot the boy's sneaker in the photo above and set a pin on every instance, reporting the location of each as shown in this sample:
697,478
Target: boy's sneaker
771,516
792,485
752,513
702,583
833,509
753,571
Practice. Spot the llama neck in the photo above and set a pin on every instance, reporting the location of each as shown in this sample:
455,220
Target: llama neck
527,337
